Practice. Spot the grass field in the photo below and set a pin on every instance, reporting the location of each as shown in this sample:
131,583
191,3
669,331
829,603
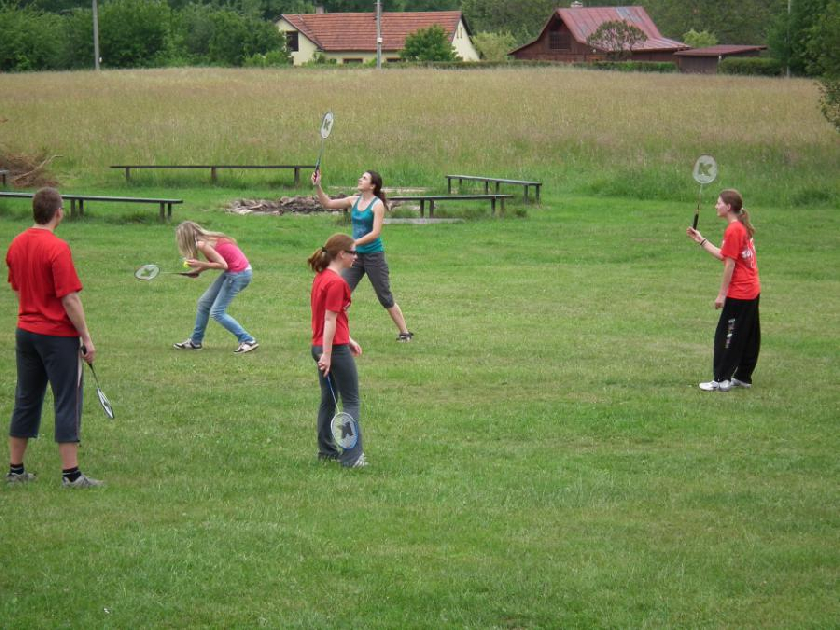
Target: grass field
540,454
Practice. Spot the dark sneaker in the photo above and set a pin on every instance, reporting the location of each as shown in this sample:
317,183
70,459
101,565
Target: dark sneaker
19,478
187,345
247,346
405,337
359,463
82,481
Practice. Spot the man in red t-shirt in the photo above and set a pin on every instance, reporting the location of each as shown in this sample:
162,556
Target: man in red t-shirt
51,323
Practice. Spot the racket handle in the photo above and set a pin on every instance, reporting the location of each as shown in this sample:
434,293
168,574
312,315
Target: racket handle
696,217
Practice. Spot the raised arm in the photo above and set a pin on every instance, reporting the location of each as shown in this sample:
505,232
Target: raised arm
332,204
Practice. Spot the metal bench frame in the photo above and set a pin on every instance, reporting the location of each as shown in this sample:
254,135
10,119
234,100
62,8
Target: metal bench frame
433,198
214,167
165,204
498,181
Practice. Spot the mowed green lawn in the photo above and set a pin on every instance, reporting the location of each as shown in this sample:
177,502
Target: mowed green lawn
540,453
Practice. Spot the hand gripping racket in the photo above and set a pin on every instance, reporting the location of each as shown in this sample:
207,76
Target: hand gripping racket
326,128
150,272
705,172
103,399
344,429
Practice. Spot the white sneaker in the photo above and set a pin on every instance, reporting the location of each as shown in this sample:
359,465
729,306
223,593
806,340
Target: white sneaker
82,481
714,386
736,383
247,346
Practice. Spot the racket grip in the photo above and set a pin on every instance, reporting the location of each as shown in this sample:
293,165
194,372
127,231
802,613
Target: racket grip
694,225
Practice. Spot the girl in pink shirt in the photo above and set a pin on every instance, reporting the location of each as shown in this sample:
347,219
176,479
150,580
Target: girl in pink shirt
220,252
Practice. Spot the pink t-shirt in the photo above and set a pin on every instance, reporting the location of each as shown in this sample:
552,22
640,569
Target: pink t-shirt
738,246
233,256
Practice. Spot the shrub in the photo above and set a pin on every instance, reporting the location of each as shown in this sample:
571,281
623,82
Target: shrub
762,66
629,66
494,46
428,44
29,40
133,33
699,39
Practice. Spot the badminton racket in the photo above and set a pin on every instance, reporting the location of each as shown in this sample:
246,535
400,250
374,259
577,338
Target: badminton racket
704,172
326,128
344,429
103,399
150,272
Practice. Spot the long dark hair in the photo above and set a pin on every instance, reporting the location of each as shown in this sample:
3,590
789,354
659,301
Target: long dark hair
376,180
323,256
733,198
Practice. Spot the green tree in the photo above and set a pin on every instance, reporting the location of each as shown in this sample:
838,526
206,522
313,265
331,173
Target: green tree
791,33
428,44
616,38
823,49
29,39
524,19
133,33
699,39
494,46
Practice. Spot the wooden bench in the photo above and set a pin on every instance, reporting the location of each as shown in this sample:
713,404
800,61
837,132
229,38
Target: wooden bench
3,174
433,198
214,167
497,180
165,204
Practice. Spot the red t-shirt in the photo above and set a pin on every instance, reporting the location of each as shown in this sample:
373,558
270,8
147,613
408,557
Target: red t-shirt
330,292
738,246
41,271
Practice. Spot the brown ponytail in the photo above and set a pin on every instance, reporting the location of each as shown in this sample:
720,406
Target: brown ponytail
376,180
733,199
323,256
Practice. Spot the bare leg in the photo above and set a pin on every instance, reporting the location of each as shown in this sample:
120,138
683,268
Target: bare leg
17,448
397,315
69,454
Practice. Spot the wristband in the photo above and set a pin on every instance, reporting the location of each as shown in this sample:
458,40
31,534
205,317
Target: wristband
703,242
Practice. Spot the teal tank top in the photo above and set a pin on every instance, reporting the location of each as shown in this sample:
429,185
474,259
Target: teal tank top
363,224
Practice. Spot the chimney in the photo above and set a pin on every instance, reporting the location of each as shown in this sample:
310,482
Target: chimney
319,9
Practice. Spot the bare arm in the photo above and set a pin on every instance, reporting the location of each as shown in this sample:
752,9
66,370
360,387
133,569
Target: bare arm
378,218
214,258
704,243
728,269
325,362
75,311
332,204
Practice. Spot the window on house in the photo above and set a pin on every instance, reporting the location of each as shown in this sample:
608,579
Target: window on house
352,60
292,41
560,40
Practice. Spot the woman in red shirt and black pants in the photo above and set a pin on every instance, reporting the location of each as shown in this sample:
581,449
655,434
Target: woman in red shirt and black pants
738,333
333,349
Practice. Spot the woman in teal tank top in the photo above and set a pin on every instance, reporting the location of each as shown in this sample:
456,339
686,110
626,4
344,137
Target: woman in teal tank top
367,212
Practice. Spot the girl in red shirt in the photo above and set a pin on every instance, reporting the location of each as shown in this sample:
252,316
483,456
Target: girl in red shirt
332,347
738,333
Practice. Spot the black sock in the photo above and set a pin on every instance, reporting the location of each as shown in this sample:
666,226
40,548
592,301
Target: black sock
71,474
16,469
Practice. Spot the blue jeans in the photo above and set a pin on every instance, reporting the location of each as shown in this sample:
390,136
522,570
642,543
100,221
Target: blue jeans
215,301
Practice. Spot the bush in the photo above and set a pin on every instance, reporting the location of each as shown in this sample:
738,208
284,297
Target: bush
29,40
272,59
428,44
761,66
494,46
133,33
629,66
699,39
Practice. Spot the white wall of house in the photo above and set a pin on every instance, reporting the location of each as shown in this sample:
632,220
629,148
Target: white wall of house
463,46
306,48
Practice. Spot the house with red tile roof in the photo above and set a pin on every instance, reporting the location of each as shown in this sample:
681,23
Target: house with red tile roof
564,36
351,37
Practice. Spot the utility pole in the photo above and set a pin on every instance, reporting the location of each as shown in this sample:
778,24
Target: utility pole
789,47
378,34
95,35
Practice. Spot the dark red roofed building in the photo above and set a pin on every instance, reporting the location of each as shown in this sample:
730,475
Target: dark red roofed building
351,37
564,36
706,60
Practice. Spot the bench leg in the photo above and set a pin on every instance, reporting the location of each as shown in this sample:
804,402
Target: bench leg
538,193
213,177
431,208
448,184
422,208
81,207
72,208
486,188
3,175
297,177
128,174
492,206
162,210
